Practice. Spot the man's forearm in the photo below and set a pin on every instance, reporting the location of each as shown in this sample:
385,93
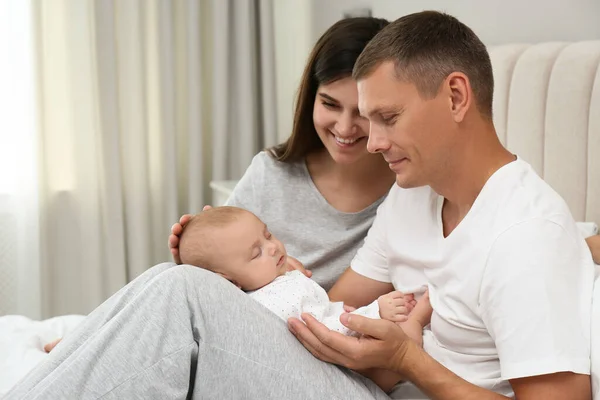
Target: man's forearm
438,382
384,378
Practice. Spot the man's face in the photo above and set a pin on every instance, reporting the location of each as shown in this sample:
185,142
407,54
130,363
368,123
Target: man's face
413,134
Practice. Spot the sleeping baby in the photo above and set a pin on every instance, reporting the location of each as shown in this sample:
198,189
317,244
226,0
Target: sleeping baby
237,245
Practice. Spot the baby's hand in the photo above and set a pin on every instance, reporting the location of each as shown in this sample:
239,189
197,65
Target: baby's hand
394,306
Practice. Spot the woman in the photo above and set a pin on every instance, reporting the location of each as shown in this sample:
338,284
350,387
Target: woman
322,175
175,330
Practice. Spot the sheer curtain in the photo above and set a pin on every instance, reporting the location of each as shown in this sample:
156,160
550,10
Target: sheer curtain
140,104
19,218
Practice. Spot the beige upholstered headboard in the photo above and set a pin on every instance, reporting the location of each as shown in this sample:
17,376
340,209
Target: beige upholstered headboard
547,111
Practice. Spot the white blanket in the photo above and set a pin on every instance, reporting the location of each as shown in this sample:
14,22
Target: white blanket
22,343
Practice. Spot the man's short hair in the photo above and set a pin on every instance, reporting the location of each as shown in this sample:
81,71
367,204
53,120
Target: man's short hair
426,47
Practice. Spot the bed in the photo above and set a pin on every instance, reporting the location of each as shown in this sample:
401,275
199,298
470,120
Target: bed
546,110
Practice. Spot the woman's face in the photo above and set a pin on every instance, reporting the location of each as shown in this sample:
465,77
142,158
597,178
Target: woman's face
341,129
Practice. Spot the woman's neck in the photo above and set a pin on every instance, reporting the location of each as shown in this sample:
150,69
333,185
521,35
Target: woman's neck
368,172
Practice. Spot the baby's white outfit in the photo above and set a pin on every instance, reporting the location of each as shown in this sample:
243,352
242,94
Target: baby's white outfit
292,294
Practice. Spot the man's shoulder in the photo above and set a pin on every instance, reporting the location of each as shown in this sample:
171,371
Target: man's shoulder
521,195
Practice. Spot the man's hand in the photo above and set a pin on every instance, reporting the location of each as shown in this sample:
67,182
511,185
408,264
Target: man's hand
294,264
383,344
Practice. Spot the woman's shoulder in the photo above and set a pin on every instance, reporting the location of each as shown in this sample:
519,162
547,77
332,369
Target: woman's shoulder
264,162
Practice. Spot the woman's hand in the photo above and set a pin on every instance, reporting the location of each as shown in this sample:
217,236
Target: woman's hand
176,231
294,264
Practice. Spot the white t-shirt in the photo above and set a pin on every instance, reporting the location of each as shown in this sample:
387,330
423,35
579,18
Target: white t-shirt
292,294
511,286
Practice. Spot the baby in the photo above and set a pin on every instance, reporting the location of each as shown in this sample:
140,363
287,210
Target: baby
235,244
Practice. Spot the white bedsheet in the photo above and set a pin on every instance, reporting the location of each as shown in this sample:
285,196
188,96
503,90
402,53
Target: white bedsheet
22,343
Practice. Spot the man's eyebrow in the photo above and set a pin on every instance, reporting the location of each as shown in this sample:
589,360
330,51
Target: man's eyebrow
328,97
385,109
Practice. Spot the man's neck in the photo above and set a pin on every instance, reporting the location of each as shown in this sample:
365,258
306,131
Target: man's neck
480,157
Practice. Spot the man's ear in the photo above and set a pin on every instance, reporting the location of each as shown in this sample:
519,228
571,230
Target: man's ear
229,279
461,95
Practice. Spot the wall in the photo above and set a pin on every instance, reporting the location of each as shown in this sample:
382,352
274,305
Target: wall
495,21
299,23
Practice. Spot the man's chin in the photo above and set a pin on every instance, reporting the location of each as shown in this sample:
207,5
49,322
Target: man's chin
406,183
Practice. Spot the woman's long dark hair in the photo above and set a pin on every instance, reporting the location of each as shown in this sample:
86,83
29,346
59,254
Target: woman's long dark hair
331,59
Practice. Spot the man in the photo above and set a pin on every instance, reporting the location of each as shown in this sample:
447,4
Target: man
510,278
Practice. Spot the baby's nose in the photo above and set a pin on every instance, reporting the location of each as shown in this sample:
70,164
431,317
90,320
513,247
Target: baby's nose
273,250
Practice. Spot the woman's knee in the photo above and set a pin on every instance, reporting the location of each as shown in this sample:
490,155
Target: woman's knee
202,287
194,276
159,268
202,276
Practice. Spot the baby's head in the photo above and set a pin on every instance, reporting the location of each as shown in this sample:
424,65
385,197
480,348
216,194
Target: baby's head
235,244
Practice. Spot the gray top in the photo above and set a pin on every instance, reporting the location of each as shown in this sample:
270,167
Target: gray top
285,198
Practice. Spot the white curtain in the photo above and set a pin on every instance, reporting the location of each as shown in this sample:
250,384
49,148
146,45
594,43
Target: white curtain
243,96
19,218
140,104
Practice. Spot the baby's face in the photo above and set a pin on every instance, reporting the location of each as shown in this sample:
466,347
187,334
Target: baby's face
249,255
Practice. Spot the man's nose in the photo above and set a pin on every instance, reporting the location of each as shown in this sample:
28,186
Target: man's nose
378,141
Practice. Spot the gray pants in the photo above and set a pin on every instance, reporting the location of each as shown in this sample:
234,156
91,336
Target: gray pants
177,332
